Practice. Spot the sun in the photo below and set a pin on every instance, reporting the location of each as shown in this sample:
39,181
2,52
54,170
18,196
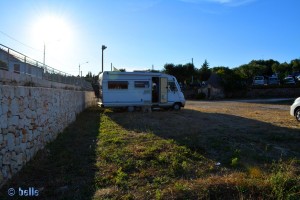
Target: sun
51,28
52,34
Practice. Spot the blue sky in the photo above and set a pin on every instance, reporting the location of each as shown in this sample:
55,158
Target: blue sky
142,33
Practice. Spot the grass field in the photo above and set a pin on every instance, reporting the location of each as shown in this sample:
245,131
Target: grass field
209,150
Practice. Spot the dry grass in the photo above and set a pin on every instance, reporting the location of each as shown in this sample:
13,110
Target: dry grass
209,150
174,155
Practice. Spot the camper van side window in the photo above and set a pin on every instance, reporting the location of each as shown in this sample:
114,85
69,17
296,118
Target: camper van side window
141,84
117,85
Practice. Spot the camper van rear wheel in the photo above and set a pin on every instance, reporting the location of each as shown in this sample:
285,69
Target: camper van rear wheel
176,106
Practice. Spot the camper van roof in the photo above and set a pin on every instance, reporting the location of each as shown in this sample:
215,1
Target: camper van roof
134,73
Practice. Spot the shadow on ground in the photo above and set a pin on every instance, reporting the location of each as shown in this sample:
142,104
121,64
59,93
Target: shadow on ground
219,137
65,169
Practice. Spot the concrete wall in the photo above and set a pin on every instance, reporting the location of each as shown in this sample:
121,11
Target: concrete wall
30,117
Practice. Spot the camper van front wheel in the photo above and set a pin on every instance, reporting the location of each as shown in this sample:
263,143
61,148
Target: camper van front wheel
176,106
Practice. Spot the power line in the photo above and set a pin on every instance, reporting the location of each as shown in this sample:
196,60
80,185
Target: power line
28,46
19,41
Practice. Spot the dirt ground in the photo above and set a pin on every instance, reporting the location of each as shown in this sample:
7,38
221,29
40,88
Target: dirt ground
256,133
254,130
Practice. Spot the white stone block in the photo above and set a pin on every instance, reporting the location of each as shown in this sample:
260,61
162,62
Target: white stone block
10,138
3,121
35,133
39,111
21,115
27,113
23,147
14,166
11,129
29,135
14,106
8,91
20,91
5,171
4,106
25,102
19,158
6,158
13,121
17,141
33,114
21,124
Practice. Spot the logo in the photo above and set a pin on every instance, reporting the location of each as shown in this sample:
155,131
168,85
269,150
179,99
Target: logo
11,192
30,192
23,192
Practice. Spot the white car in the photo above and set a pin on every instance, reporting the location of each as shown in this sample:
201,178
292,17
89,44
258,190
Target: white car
289,81
295,109
259,80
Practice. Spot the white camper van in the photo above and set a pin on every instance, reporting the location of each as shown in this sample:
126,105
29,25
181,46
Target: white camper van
139,89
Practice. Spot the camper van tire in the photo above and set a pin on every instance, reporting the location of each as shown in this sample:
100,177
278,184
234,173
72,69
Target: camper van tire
176,106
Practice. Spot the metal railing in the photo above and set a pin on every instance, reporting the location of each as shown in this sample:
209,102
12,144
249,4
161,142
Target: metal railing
19,63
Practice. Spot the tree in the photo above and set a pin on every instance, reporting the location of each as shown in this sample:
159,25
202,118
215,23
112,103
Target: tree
295,65
183,73
204,72
264,67
230,79
169,68
122,70
89,77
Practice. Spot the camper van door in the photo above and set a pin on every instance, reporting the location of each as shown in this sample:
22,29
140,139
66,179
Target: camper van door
163,90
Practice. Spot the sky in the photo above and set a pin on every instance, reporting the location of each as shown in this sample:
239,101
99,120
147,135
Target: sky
141,34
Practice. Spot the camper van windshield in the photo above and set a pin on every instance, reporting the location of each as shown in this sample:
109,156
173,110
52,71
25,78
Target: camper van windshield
172,86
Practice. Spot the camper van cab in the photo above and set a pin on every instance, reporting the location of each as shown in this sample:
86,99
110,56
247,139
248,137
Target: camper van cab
139,89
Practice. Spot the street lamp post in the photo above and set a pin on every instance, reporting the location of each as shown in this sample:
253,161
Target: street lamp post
44,53
79,67
103,48
44,57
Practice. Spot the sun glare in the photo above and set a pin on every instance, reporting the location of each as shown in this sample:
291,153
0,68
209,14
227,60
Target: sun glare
55,34
52,28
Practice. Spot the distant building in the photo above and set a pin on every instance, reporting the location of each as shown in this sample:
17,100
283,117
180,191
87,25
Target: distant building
213,89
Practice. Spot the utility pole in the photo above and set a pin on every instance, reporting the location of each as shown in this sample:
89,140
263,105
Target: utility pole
80,72
192,75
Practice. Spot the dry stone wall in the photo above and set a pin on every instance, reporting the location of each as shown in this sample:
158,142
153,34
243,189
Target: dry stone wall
30,117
